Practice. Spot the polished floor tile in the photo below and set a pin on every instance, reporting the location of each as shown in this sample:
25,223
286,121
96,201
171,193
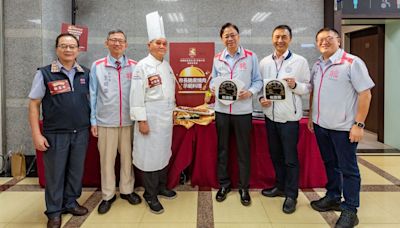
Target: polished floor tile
390,164
310,225
4,180
167,225
29,181
243,225
232,211
375,208
379,206
110,225
182,209
369,177
121,212
304,214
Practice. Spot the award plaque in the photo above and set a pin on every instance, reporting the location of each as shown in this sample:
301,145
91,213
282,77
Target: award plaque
274,90
227,91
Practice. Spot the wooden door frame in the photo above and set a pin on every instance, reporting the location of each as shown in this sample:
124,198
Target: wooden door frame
380,83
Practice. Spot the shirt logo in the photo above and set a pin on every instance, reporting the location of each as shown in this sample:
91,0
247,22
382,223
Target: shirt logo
242,66
82,81
128,75
288,69
333,74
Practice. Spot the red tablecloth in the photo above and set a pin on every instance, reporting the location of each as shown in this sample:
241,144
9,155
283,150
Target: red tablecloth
196,148
202,159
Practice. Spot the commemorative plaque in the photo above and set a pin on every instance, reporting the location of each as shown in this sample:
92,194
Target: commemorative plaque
274,90
227,90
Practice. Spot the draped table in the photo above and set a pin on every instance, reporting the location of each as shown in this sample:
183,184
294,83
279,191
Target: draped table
195,150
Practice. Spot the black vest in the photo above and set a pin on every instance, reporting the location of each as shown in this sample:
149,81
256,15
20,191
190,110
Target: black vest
69,111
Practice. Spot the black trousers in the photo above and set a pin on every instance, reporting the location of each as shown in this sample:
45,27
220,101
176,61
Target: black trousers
64,164
282,139
241,126
154,182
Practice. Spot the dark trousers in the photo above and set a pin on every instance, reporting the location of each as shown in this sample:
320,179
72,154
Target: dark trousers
64,165
282,140
154,182
341,167
241,126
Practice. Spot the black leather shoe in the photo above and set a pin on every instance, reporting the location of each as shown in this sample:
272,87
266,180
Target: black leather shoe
155,206
77,211
347,219
105,205
326,204
221,194
54,222
272,192
167,194
289,206
132,198
245,197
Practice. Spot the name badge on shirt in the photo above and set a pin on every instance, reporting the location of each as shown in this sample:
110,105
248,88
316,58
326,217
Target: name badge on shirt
154,80
59,86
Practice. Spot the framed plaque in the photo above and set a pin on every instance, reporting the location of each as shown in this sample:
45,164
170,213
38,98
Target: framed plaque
227,90
275,89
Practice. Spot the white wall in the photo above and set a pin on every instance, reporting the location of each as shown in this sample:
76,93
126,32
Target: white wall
392,84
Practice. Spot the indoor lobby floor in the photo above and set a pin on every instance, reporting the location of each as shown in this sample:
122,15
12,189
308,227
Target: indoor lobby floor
22,204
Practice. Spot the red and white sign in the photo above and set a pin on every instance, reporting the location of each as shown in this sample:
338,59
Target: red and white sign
81,32
192,64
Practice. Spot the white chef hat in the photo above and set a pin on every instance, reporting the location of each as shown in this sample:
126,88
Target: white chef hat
155,26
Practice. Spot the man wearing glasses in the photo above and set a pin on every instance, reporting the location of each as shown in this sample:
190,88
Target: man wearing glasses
110,80
339,105
62,89
237,63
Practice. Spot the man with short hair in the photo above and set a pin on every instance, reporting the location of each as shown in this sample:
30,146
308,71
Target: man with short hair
339,106
110,80
62,89
282,116
235,63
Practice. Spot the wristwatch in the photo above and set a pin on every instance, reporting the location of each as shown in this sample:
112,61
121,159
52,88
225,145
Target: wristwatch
359,124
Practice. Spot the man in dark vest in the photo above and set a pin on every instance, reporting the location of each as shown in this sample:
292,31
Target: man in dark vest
62,88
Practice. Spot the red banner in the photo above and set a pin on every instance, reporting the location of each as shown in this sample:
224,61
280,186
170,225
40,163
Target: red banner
80,32
192,64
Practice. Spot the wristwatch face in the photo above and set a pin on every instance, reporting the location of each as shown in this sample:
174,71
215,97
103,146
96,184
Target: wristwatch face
359,124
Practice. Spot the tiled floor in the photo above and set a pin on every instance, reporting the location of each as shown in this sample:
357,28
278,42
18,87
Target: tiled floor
22,205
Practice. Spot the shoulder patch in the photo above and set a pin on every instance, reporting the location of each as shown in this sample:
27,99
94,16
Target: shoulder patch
346,58
131,61
248,52
100,61
218,55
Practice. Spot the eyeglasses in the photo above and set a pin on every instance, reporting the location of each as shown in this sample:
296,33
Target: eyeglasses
327,39
232,35
114,41
66,46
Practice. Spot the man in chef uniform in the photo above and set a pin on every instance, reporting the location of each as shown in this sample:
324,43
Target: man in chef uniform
152,101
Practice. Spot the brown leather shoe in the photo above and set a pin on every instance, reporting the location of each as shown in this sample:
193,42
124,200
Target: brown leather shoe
78,210
54,222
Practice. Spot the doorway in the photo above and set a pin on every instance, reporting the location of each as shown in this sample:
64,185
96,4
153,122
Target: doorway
368,44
